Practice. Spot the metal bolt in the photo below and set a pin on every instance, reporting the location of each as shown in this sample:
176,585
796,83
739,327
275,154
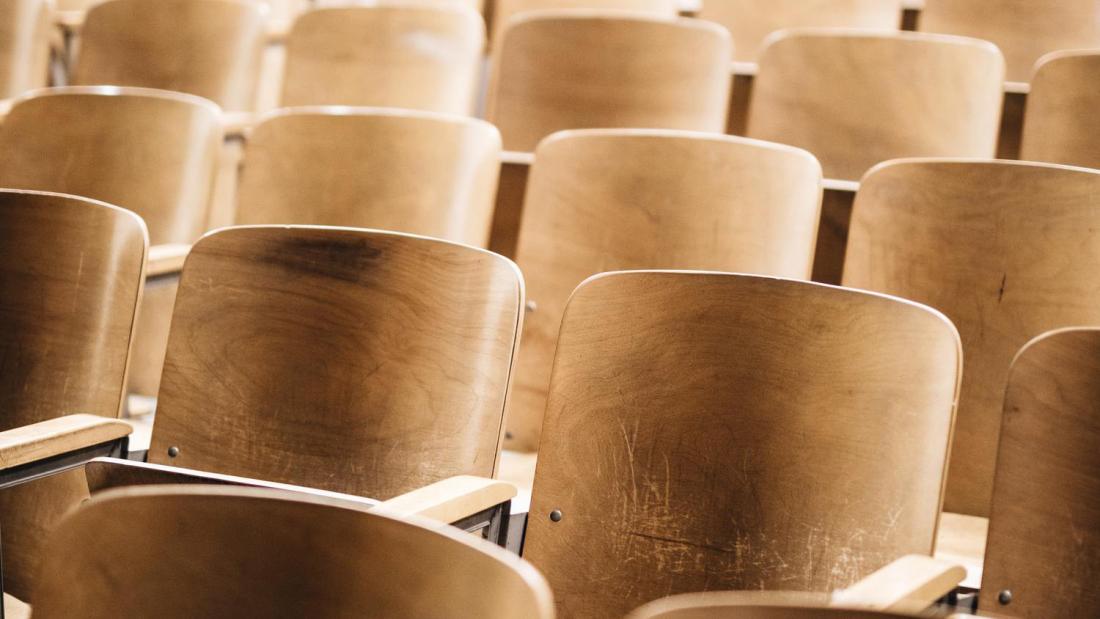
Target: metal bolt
508,435
1004,597
173,451
555,515
531,306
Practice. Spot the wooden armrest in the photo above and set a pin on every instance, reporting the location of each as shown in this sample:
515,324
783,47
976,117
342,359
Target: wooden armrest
55,437
835,184
909,584
1017,88
70,21
166,259
277,31
740,67
450,500
515,157
237,124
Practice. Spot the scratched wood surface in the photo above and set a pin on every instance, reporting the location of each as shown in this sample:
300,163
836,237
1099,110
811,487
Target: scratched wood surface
400,170
71,273
209,48
215,551
611,199
417,57
358,361
711,431
1060,122
855,98
1007,250
1044,526
1024,30
751,21
25,28
575,69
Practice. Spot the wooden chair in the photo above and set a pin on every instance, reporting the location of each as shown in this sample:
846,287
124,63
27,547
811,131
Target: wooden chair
212,551
108,137
751,21
209,48
70,279
25,30
1061,124
416,56
1025,30
1005,249
393,169
712,430
1044,533
855,99
363,362
505,10
753,605
576,69
607,199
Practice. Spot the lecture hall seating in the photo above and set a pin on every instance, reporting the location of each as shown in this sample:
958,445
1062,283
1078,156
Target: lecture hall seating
1061,124
202,551
612,199
425,57
25,35
401,170
71,274
722,431
1007,250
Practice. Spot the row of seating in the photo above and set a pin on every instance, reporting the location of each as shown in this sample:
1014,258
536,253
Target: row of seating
703,430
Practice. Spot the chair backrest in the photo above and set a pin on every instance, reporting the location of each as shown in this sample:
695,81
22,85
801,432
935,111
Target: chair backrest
611,199
1044,529
751,605
505,10
578,69
213,551
71,273
1025,30
364,362
751,21
209,48
721,431
152,152
400,170
1007,250
855,99
1060,123
425,57
25,27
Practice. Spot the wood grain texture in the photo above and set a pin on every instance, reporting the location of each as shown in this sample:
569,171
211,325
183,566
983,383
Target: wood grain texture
1024,30
399,170
1007,250
751,605
57,436
1044,527
1061,124
424,57
505,10
611,199
711,431
854,99
751,21
70,279
207,551
96,141
357,361
25,28
575,69
209,48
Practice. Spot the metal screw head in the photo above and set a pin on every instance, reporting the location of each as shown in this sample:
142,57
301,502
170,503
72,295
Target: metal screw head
1004,597
173,451
531,306
555,515
508,435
